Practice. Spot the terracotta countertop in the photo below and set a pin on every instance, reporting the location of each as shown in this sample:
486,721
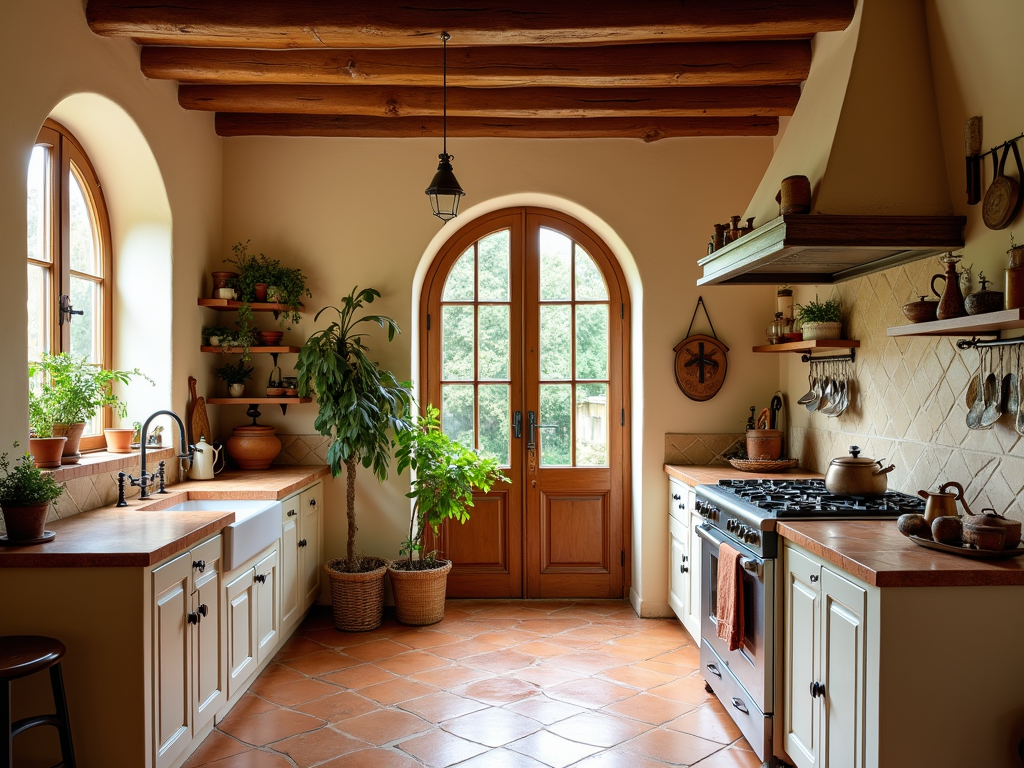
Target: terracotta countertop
140,534
876,553
699,474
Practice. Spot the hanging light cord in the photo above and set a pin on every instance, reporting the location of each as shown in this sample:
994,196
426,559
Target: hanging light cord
445,37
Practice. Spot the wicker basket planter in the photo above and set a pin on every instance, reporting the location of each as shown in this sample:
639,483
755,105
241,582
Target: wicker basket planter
419,595
357,598
813,331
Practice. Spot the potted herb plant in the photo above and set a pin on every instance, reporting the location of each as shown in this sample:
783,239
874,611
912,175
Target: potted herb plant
361,409
447,473
215,335
235,376
821,320
42,445
25,496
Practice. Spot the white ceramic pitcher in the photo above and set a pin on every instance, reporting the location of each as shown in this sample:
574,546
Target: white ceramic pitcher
204,461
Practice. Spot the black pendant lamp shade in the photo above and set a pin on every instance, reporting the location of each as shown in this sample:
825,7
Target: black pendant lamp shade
445,191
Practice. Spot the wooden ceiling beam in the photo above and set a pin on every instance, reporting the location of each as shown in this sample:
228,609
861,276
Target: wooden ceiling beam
371,101
618,66
235,124
401,24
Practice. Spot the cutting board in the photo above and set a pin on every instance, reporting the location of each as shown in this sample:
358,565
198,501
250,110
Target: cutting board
199,422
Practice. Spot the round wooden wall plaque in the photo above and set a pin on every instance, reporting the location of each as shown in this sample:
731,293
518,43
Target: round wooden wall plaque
701,365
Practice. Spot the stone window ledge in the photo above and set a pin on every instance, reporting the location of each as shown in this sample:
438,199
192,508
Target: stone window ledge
100,462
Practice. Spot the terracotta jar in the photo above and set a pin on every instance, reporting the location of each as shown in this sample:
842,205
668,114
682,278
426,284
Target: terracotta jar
253,446
25,523
73,432
46,451
764,444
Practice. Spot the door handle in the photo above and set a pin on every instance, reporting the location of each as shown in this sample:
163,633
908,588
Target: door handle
531,422
517,424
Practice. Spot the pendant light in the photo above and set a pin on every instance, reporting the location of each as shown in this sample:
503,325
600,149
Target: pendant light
444,190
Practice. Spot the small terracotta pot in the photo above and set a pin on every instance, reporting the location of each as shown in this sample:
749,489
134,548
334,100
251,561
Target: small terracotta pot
253,446
261,291
25,523
119,440
271,338
73,432
764,444
46,451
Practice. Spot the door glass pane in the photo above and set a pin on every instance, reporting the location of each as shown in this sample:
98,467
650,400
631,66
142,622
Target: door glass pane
555,342
85,251
457,343
494,267
556,410
457,412
591,341
459,285
495,420
589,280
555,266
494,342
38,311
39,204
591,425
85,329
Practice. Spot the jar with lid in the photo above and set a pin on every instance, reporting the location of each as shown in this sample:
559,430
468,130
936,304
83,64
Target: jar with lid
784,302
776,332
1015,277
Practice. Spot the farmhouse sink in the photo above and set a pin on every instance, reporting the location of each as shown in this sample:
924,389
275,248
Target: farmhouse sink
257,525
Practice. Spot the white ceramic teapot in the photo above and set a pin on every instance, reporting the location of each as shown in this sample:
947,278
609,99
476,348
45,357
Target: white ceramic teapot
204,461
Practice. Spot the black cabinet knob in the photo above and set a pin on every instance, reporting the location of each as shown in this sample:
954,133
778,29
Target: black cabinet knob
203,611
676,497
312,502
261,578
292,513
199,565
193,618
683,569
817,689
302,543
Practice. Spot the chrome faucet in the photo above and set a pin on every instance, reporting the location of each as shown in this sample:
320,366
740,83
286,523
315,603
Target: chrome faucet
145,479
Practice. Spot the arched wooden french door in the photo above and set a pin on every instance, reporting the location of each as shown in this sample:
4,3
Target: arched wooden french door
525,352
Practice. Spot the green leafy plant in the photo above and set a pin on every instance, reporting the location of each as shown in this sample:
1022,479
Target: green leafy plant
40,420
820,312
235,374
447,472
361,406
289,283
220,331
25,485
73,390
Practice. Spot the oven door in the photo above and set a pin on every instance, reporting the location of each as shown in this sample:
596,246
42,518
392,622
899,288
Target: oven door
753,662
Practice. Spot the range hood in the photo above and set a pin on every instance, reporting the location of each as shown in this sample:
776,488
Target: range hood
866,133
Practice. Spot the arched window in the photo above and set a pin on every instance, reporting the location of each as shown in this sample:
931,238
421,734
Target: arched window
69,258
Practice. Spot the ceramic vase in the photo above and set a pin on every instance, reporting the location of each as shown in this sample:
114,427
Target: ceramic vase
236,390
253,446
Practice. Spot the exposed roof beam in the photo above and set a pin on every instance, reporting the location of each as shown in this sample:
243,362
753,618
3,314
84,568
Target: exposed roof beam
371,101
234,124
618,66
405,24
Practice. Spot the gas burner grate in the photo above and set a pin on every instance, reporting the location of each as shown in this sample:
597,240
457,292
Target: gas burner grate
809,498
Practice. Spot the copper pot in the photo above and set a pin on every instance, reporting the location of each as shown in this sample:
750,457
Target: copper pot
989,530
854,475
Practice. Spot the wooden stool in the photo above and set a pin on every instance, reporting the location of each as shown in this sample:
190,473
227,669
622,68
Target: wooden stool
20,656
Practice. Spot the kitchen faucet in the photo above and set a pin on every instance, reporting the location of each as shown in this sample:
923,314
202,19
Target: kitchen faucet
145,479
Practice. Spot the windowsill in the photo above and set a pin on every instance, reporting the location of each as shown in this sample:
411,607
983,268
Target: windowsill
98,462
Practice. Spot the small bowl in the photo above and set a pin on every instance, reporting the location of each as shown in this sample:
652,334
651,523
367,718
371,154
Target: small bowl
788,337
271,338
922,311
291,392
275,391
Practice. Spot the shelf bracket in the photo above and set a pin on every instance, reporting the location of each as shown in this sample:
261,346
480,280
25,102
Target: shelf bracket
852,357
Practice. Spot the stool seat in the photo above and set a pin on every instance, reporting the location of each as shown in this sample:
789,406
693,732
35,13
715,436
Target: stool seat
22,655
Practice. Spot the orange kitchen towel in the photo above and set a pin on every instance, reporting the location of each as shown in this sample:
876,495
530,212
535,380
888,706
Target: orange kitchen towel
729,612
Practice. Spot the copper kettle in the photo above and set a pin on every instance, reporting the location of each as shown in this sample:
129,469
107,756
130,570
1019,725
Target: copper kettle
943,503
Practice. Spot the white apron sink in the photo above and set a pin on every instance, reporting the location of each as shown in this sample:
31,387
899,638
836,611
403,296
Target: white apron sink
257,525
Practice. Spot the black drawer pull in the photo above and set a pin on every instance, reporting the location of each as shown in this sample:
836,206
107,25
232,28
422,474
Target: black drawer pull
676,497
203,610
817,689
740,706
292,513
312,502
193,618
683,569
261,578
199,565
302,543
713,668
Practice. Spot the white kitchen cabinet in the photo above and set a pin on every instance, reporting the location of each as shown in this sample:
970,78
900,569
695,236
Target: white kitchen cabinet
684,557
207,650
311,502
240,603
289,561
268,608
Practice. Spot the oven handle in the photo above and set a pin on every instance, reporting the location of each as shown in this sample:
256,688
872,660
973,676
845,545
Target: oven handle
752,564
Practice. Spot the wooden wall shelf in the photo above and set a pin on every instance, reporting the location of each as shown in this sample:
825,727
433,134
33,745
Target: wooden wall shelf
245,400
226,305
991,323
257,350
807,347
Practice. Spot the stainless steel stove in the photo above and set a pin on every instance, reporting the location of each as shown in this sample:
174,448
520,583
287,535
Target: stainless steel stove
743,514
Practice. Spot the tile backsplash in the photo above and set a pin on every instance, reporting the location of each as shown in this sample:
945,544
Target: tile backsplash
705,449
909,400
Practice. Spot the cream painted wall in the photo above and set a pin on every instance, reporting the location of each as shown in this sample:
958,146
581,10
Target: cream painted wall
353,212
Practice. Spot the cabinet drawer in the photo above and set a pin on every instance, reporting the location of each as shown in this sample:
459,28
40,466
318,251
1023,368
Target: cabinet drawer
754,724
677,497
208,555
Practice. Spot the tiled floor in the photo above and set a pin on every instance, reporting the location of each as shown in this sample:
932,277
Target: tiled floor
497,684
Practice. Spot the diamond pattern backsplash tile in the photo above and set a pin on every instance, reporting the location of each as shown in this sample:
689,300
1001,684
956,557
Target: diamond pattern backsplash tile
909,400
303,449
700,449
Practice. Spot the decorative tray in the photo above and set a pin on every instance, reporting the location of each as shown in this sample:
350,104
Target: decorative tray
965,550
754,465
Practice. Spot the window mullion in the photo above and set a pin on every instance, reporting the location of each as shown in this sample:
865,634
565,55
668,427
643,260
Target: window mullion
62,255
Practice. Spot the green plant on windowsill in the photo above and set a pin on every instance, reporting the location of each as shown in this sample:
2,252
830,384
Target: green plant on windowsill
74,390
40,419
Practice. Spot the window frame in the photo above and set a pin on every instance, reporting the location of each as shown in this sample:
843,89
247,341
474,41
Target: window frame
64,149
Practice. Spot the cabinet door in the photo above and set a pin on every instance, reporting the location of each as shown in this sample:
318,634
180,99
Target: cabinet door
843,609
207,651
172,711
240,604
289,567
801,712
678,569
692,620
268,613
310,521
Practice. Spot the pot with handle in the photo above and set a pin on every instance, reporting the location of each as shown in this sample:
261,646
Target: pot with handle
204,461
951,300
943,503
1002,200
991,531
854,475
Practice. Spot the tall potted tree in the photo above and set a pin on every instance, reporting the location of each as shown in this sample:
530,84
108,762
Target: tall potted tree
361,409
447,473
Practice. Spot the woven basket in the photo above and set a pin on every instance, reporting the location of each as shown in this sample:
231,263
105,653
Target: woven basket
358,598
752,465
419,595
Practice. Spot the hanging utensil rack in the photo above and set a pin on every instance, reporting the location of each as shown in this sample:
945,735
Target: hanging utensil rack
976,343
852,357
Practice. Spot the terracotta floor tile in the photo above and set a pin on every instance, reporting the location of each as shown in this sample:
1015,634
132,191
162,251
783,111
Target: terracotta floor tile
553,750
492,727
270,726
543,650
548,675
666,669
650,709
254,758
589,662
355,678
247,706
499,661
373,758
622,758
439,749
215,747
298,692
461,650
498,690
298,645
673,747
590,693
544,710
687,656
491,623
383,727
551,626
708,722
332,638
412,662
376,650
321,662
450,677
598,729
338,706
688,689
637,677
441,706
275,674
315,747
320,617
594,633
395,691
425,638
503,758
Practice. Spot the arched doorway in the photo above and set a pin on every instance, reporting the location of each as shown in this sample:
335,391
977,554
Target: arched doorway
524,349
